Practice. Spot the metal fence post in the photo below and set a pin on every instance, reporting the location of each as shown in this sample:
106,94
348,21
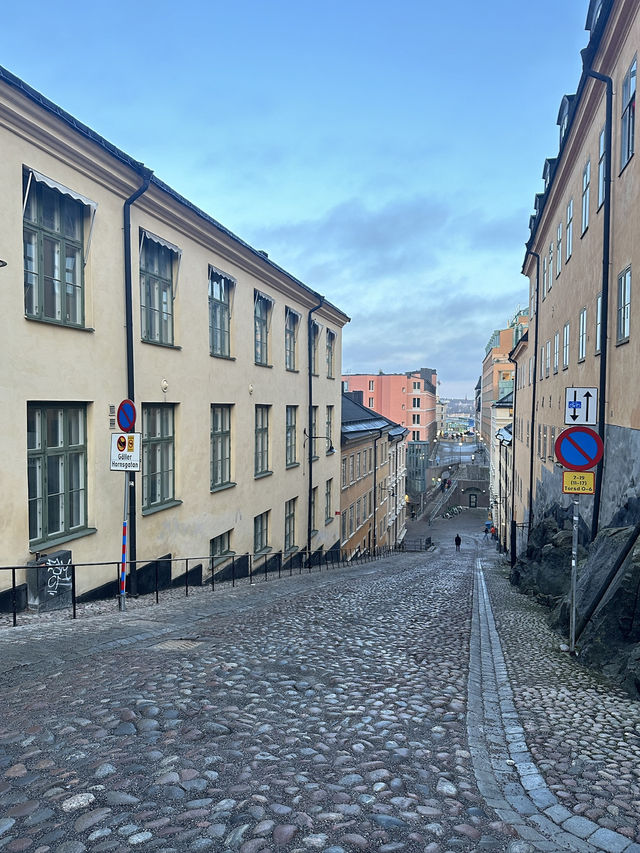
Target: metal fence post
73,589
186,577
14,603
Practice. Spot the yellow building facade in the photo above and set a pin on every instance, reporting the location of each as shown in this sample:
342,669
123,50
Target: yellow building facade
117,287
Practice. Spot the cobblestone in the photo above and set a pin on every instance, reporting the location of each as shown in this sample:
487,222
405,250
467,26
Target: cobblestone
414,704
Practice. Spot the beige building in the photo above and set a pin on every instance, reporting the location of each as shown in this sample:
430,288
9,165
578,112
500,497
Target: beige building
373,479
581,259
233,365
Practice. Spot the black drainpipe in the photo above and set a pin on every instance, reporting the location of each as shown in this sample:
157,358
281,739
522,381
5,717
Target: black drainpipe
604,317
375,490
310,433
128,301
533,392
514,434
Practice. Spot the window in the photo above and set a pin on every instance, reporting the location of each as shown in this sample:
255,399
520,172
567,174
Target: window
315,334
220,548
541,364
415,419
220,287
598,321
582,334
343,527
586,182
290,525
624,301
416,402
291,323
344,471
328,509
565,346
602,165
559,249
569,248
220,446
291,455
371,383
550,265
157,456
156,291
262,306
556,352
351,518
53,254
351,468
331,347
547,361
261,532
329,429
358,513
628,114
358,466
544,278
416,386
314,506
370,402
415,435
56,467
261,455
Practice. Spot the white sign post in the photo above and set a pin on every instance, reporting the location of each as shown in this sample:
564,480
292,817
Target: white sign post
580,406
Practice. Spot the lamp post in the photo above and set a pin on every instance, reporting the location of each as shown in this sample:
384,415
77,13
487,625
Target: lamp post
460,446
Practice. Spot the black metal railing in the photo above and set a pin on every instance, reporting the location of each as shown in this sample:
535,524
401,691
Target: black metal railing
223,570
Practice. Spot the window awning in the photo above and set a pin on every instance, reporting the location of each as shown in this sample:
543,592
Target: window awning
258,294
54,185
160,241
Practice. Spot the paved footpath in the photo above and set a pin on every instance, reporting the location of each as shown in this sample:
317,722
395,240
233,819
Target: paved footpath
414,704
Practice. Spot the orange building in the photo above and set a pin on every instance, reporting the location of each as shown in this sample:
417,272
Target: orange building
408,399
498,370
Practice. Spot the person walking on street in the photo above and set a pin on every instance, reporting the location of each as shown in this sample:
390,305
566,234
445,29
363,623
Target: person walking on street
486,534
458,540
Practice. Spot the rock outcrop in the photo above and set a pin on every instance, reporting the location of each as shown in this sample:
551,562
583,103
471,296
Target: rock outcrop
607,594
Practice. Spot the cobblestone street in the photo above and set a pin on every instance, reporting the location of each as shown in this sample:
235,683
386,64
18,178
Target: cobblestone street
415,704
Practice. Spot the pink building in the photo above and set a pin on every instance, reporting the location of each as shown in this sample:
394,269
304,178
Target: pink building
408,399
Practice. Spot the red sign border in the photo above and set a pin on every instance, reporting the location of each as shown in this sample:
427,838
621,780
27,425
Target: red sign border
582,429
133,423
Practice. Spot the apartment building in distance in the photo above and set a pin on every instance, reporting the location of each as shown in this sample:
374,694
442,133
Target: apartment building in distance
114,286
581,261
408,399
373,479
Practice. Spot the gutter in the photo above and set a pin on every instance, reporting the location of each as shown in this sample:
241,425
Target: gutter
128,298
604,317
310,420
375,490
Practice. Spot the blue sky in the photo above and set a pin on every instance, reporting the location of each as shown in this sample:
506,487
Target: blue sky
386,154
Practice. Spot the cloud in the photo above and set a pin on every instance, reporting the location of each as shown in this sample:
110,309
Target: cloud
400,270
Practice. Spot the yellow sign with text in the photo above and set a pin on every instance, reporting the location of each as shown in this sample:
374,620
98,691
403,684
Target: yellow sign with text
578,482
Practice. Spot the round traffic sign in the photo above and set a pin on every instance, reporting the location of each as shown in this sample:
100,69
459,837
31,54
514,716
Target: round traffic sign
579,448
126,416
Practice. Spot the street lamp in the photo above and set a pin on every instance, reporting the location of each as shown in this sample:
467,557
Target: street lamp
460,445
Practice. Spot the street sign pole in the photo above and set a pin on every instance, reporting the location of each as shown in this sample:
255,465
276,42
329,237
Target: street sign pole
125,456
574,576
122,598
